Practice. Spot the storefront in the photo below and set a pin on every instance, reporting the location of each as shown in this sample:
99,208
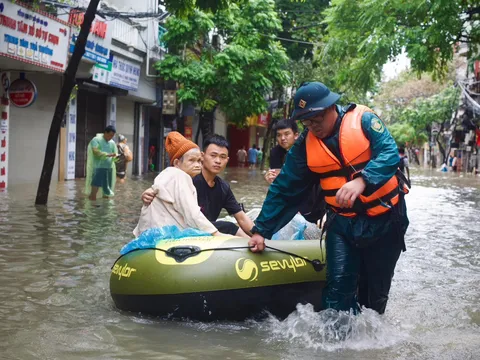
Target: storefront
34,46
113,88
253,133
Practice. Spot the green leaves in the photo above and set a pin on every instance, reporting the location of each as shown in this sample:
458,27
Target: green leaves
302,20
235,70
364,34
414,122
184,8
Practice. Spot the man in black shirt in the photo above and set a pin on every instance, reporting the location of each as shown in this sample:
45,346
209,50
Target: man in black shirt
213,193
313,208
287,134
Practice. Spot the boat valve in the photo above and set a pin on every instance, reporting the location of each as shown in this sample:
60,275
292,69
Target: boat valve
181,253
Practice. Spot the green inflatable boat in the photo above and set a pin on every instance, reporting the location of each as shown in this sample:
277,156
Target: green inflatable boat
218,278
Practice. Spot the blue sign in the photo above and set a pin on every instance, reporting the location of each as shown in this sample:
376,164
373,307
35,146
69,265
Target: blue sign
97,48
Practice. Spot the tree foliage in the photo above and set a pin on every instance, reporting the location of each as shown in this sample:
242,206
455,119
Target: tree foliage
364,34
234,70
414,123
398,93
302,22
307,70
184,8
405,134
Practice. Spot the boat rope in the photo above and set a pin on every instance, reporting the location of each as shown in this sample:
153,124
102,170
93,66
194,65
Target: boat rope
184,252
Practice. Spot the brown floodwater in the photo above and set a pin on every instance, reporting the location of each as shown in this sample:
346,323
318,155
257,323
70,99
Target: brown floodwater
55,268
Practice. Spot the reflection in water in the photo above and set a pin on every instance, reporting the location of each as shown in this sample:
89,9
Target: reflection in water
55,302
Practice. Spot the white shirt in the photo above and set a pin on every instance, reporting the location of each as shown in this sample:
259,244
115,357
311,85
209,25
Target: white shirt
175,204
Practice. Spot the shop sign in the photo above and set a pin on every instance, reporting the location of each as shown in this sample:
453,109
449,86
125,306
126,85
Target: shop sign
263,120
258,120
125,74
99,40
22,93
32,37
188,132
120,73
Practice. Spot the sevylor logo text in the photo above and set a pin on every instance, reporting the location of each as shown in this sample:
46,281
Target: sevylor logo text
123,271
247,269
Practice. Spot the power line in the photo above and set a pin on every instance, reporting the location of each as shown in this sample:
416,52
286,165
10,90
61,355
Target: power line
110,13
142,15
290,40
295,28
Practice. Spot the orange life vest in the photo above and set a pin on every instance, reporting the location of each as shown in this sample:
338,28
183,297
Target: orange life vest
355,154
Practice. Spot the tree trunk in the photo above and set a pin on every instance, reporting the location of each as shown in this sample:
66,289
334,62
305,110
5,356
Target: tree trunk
452,128
266,144
440,145
206,124
414,155
180,124
197,134
68,84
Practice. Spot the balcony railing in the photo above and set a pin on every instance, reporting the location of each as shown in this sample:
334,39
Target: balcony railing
128,34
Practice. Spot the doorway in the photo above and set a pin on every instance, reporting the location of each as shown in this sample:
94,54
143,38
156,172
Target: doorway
91,120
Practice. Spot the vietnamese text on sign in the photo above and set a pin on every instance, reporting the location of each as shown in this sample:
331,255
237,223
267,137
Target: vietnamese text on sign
33,38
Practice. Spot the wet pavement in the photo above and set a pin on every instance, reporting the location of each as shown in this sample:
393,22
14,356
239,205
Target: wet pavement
55,301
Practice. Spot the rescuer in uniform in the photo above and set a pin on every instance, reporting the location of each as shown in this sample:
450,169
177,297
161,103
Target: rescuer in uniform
349,151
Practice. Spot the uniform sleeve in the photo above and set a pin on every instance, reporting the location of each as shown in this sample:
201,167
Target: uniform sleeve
385,157
230,204
287,192
186,204
275,159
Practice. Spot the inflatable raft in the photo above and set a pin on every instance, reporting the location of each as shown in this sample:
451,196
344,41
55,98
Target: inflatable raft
218,278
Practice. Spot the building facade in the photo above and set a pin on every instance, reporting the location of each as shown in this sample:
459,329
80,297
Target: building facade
116,84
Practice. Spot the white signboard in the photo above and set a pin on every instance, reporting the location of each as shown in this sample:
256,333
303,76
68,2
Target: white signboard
71,138
112,111
120,73
125,74
4,119
33,38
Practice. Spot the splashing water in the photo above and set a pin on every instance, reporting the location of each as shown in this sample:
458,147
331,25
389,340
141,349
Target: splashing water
330,330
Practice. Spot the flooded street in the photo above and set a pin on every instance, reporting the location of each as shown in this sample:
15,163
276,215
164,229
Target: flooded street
55,301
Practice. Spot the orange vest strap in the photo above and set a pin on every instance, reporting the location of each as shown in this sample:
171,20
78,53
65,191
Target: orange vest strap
346,171
360,207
